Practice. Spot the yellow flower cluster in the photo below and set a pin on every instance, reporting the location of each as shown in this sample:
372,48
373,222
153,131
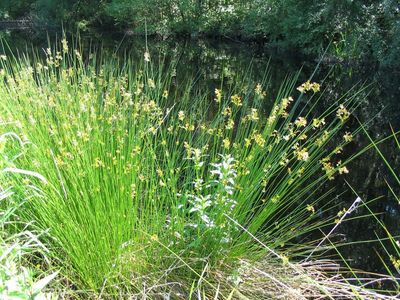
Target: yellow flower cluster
218,95
226,143
259,92
258,138
237,100
308,86
323,138
98,163
181,115
328,168
318,123
342,113
286,102
273,116
151,83
301,122
301,154
230,124
227,111
275,198
395,262
340,215
342,169
348,137
64,44
310,208
251,116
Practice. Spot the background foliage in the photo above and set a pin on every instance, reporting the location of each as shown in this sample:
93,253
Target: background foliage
367,29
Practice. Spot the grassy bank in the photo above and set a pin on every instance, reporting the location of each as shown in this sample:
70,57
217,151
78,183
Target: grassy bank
141,187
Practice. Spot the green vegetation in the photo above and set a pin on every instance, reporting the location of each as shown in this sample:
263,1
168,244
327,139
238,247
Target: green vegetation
356,29
140,188
16,280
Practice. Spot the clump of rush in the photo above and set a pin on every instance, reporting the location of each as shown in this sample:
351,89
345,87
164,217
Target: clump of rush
142,178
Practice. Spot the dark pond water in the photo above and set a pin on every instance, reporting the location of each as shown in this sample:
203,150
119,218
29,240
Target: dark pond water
208,60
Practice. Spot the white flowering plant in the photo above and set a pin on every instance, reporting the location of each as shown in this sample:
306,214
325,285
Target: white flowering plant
204,209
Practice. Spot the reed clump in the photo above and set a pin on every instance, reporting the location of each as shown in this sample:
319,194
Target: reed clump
144,186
